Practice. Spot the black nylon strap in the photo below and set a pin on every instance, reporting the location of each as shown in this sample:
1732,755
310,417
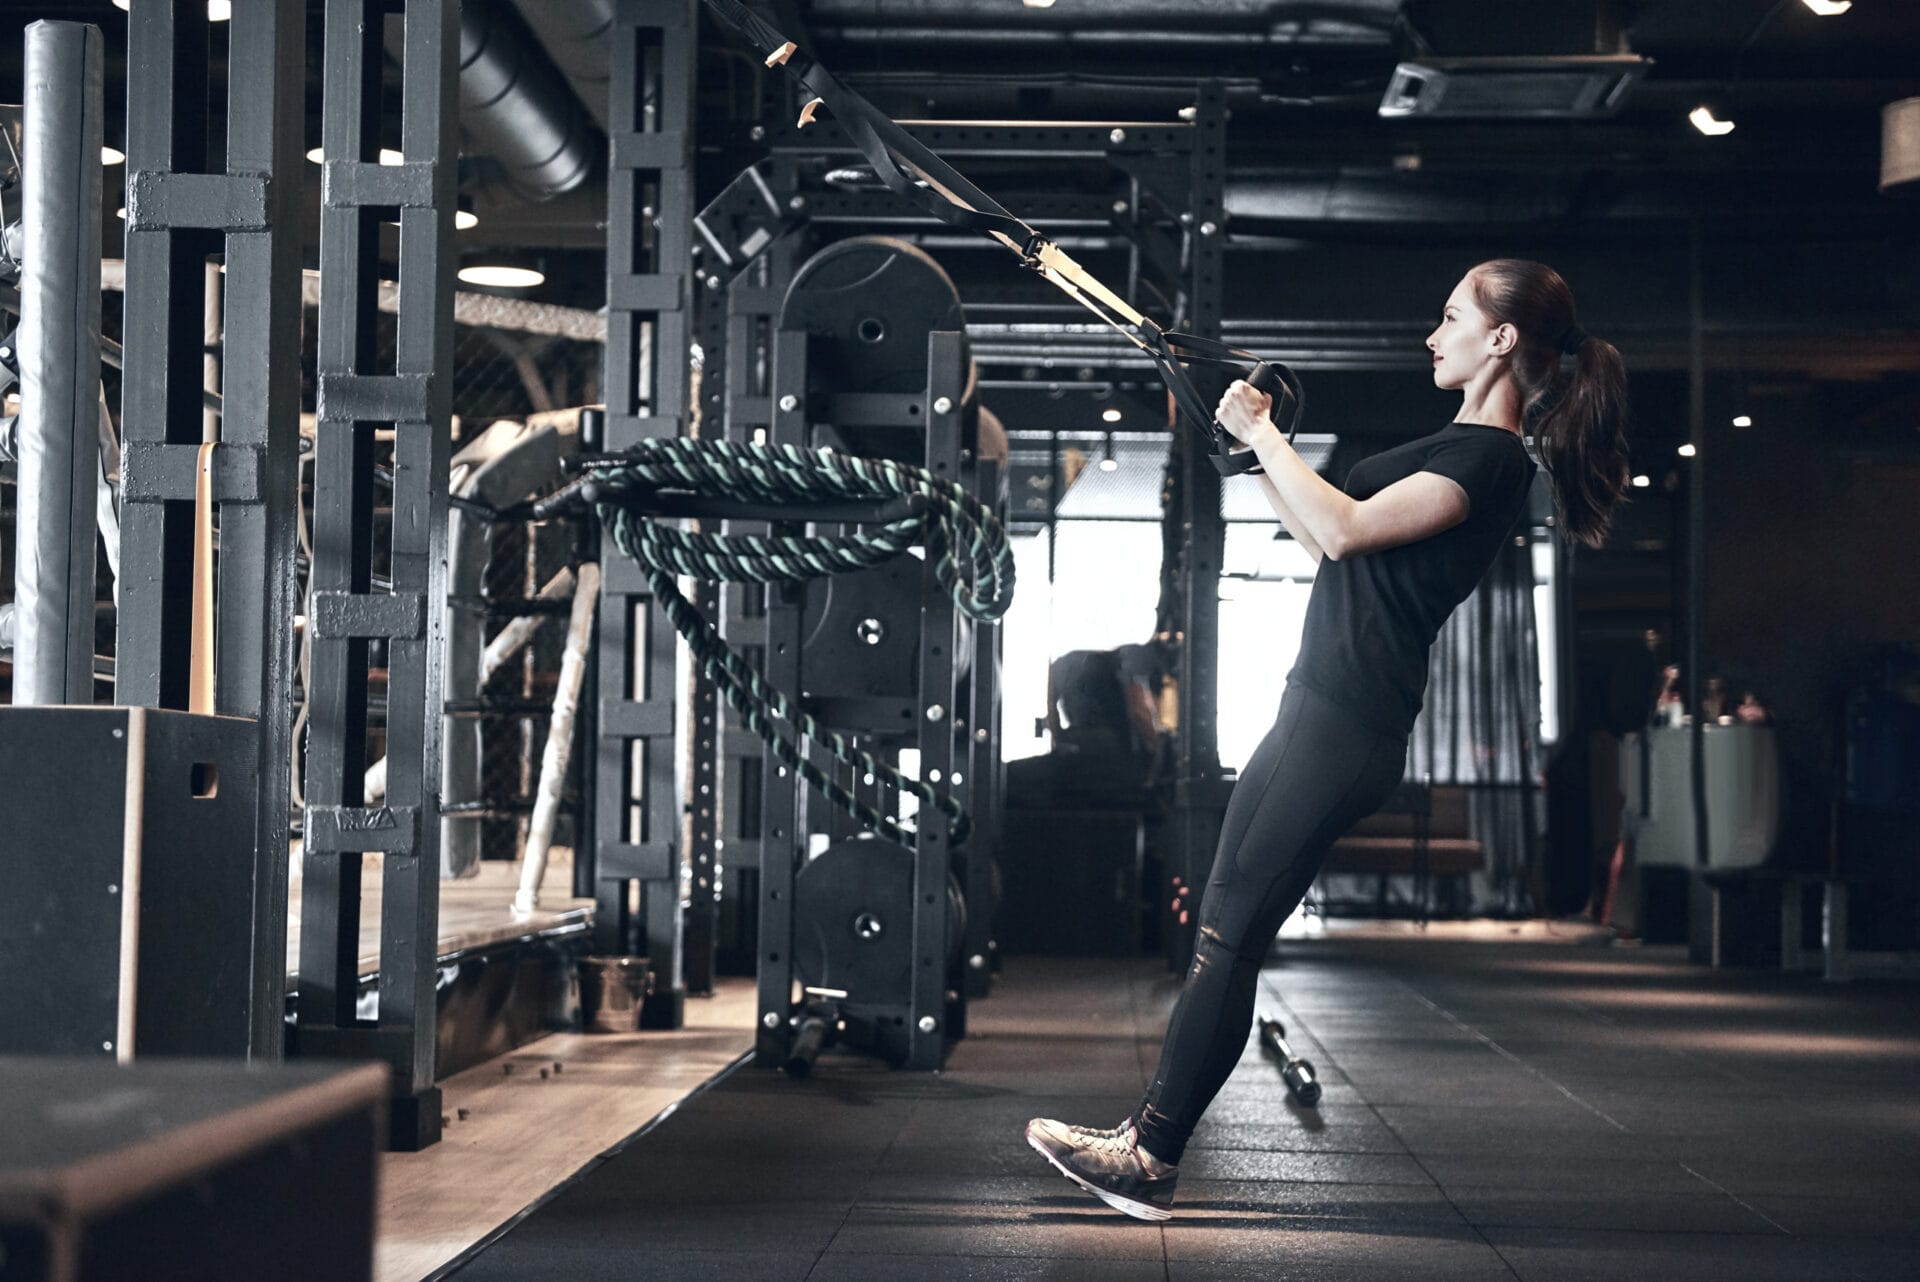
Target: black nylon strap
947,195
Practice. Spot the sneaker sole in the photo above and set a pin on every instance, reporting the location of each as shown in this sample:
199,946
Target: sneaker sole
1125,1205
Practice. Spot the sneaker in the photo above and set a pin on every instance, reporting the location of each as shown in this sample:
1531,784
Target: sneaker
1111,1165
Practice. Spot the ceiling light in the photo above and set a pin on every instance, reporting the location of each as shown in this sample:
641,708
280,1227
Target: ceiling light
121,213
1828,8
1703,120
1687,450
465,220
1743,420
501,276
221,10
1037,4
112,156
1110,415
1642,481
1108,463
388,156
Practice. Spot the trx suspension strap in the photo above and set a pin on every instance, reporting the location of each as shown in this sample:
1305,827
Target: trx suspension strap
913,172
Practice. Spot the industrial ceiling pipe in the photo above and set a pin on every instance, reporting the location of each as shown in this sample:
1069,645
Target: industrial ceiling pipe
517,109
575,35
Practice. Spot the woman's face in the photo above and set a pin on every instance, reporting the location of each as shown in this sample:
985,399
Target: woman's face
1466,342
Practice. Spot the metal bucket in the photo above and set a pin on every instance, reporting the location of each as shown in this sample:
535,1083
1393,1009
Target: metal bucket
612,991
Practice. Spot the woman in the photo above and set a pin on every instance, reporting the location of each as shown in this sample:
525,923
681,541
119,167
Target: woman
1407,540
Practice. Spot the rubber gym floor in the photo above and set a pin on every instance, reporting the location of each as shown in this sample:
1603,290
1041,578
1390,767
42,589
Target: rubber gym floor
1490,1111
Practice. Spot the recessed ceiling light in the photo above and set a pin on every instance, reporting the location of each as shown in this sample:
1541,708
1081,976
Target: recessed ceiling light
1109,465
1037,4
1110,415
388,156
217,10
112,156
1828,8
1703,119
465,220
1743,420
501,277
1642,481
1687,450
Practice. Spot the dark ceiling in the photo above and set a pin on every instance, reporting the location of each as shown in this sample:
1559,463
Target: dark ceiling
1346,228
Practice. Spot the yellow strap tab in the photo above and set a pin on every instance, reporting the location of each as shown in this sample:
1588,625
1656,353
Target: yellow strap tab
779,56
1057,267
806,112
200,658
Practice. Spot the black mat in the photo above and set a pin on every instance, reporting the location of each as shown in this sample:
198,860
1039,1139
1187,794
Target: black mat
1491,1111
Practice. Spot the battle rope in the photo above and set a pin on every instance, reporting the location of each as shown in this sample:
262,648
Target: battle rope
968,548
913,172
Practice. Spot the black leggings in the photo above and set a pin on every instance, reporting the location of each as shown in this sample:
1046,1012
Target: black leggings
1316,774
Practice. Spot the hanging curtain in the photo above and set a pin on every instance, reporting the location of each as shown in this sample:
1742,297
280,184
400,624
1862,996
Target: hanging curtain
1480,727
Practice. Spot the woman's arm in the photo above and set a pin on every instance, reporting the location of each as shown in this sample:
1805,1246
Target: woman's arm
1295,526
1411,509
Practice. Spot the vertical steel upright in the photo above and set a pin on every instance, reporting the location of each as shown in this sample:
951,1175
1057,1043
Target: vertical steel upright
753,306
178,212
59,364
649,277
355,400
1198,803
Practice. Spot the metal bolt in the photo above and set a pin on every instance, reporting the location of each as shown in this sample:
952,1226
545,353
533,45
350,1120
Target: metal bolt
980,735
1208,228
936,713
871,631
944,405
1189,113
113,888
106,1046
1117,137
797,203
770,1019
789,403
928,1023
977,962
1119,206
713,282
1186,218
758,133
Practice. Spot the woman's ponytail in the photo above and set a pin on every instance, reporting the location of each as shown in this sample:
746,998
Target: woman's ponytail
1578,420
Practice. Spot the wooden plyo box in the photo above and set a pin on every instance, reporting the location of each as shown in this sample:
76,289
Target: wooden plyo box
126,851
177,1168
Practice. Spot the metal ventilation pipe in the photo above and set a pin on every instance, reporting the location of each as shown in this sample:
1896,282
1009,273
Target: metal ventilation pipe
516,108
574,34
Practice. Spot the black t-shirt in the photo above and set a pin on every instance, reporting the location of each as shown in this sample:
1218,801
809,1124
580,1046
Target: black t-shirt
1372,618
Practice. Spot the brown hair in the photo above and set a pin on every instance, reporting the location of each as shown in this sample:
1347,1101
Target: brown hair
1578,420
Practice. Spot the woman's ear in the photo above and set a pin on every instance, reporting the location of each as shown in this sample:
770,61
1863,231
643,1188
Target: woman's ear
1504,337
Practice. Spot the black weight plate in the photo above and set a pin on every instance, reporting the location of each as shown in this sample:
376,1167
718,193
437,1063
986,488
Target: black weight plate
868,304
853,921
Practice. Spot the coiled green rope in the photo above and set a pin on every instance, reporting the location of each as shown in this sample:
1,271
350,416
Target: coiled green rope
969,550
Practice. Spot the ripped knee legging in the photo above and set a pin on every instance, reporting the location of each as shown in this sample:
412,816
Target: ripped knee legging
1316,774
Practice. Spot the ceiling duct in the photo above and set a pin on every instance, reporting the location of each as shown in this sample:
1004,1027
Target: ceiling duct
1900,148
515,107
575,34
1571,87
